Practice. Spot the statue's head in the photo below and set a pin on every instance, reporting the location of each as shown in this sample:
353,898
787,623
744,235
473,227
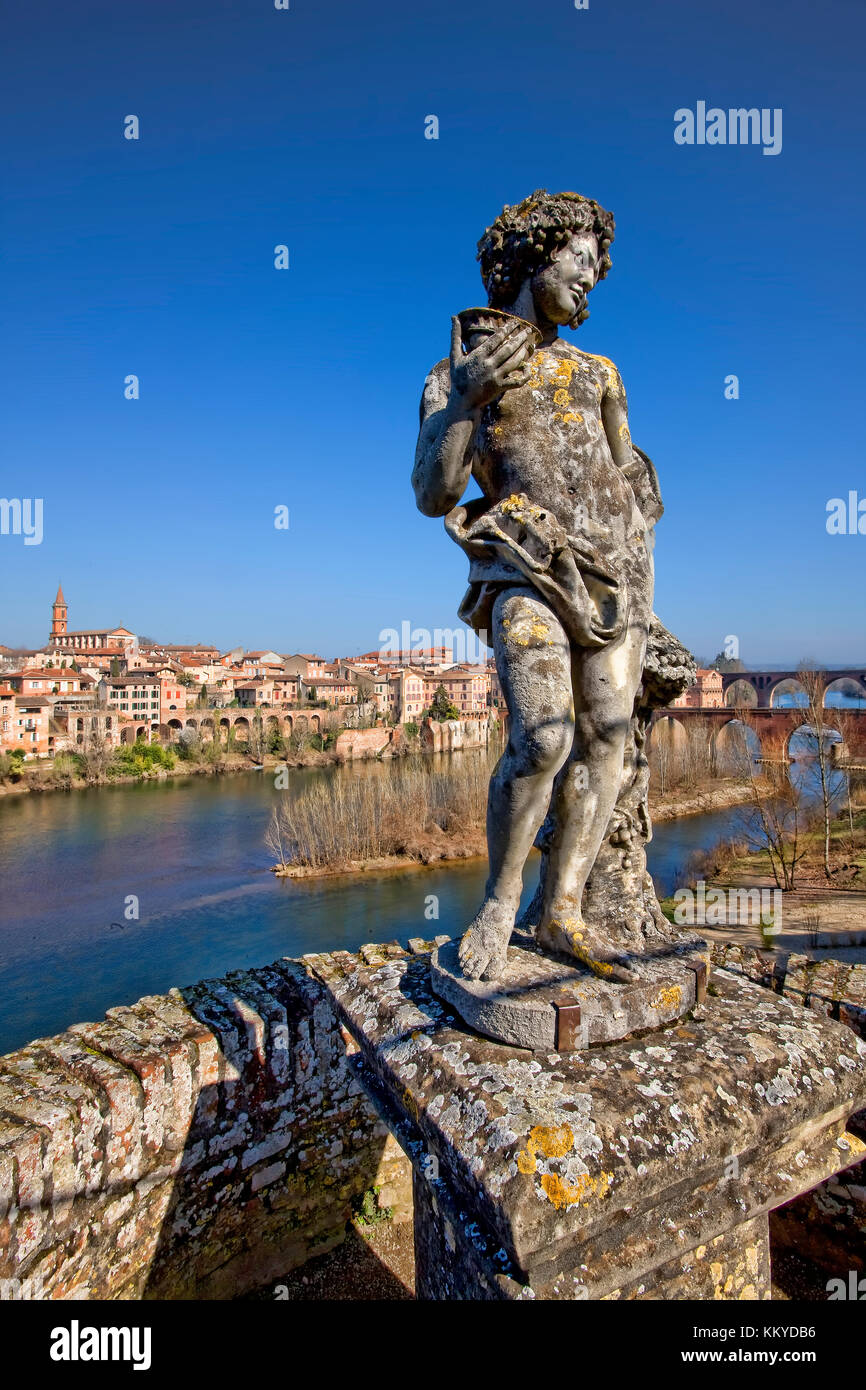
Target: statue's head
558,244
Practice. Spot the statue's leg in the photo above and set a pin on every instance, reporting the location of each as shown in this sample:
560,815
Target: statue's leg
605,684
534,667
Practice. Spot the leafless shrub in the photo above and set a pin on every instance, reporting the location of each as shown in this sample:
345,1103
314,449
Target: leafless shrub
351,817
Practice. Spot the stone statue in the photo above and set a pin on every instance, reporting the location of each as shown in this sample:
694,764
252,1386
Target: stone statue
561,585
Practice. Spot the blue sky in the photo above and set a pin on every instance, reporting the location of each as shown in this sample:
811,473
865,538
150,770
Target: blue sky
262,387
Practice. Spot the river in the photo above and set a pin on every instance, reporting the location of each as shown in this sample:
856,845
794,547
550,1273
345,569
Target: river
191,851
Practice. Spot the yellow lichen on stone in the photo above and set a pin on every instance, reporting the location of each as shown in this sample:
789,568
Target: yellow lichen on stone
566,368
667,998
561,397
566,1194
553,1141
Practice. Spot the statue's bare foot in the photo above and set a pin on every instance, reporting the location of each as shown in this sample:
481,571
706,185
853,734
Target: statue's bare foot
483,949
570,936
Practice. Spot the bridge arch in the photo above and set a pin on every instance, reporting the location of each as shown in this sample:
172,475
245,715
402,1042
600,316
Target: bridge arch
802,741
741,694
844,686
735,746
788,693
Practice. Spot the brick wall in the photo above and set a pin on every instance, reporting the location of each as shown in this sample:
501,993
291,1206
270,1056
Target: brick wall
194,1145
362,743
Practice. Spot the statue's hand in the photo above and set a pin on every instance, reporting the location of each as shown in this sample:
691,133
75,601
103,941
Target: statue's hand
496,365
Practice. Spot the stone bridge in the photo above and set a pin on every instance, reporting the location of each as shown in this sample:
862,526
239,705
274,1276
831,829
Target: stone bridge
238,721
766,683
772,726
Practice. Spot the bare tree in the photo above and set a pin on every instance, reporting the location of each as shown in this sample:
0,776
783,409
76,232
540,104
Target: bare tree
775,821
276,835
256,738
813,684
93,749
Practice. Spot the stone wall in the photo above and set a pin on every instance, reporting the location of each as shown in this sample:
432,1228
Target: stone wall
194,1145
449,735
833,987
826,1226
203,1143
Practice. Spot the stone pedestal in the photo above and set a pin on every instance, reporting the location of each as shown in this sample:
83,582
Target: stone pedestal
640,1169
548,1003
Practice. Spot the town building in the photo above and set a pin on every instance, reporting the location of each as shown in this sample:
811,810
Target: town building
110,641
136,696
25,722
425,658
333,691
706,693
49,680
306,665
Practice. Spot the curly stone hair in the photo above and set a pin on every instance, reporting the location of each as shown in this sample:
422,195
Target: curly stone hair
524,237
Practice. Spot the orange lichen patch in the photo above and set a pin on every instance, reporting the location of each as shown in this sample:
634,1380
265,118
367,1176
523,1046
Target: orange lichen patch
553,1141
566,368
566,1194
571,417
614,385
529,630
519,508
598,967
667,998
561,397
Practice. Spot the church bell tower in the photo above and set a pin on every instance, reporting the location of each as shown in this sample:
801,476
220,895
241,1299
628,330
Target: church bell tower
58,617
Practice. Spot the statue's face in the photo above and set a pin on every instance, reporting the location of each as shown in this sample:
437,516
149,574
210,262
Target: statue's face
559,289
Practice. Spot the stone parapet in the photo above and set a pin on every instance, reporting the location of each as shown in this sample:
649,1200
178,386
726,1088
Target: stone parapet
192,1145
601,1173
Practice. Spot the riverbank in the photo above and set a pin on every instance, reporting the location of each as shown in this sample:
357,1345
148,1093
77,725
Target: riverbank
432,845
820,916
38,779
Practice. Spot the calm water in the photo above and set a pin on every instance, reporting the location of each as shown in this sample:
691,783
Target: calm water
192,851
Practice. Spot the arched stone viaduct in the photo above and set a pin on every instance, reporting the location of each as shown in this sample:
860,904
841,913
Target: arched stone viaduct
773,727
765,683
238,721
